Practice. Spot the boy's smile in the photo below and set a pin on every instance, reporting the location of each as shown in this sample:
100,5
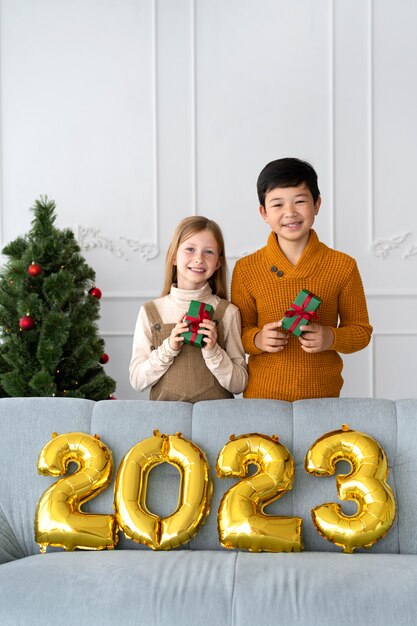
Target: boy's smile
290,212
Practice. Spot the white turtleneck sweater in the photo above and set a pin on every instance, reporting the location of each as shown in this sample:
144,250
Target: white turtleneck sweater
228,365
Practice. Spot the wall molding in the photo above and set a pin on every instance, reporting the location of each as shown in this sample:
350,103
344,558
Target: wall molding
372,369
121,247
382,248
395,333
155,125
390,294
332,134
193,97
371,129
147,295
90,237
1,140
376,333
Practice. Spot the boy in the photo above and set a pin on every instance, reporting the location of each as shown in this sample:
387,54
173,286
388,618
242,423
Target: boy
264,285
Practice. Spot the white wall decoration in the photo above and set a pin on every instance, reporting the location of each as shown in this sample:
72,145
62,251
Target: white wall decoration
132,114
90,238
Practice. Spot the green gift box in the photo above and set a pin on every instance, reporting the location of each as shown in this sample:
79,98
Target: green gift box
197,313
301,312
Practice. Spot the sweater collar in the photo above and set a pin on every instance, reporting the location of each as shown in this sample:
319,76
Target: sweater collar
306,264
183,296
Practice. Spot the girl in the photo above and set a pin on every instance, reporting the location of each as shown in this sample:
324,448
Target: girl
195,269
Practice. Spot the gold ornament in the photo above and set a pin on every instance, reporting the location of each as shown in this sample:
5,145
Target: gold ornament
241,521
58,519
365,484
132,514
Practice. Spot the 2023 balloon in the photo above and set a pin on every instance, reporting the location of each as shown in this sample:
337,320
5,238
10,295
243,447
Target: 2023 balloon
242,523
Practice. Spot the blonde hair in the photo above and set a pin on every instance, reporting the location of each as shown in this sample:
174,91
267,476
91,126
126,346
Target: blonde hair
185,229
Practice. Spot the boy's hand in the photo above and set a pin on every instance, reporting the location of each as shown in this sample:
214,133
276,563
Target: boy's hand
269,339
316,338
209,329
175,341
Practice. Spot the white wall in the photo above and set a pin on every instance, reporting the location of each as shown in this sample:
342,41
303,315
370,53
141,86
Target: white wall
132,114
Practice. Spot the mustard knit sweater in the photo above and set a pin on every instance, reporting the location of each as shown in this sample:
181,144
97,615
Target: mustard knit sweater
265,284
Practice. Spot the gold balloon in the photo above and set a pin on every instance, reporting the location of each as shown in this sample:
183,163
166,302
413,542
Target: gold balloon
241,521
58,519
365,484
131,484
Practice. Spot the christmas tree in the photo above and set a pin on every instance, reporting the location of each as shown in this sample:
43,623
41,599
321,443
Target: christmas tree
49,307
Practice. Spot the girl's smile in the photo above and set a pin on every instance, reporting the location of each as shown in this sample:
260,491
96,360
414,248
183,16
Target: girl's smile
198,257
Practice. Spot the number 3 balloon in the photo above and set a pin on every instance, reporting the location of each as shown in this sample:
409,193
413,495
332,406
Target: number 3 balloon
365,484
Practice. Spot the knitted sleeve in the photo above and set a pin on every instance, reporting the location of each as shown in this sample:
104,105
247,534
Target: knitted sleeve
245,302
354,331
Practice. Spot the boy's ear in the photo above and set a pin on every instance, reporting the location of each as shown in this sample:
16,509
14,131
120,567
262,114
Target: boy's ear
263,213
317,206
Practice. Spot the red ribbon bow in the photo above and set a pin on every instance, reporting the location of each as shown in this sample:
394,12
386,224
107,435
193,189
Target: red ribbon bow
301,313
195,321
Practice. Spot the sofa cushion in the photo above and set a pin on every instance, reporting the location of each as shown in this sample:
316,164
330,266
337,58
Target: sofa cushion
118,587
314,418
123,423
405,474
322,589
213,423
26,425
208,587
298,426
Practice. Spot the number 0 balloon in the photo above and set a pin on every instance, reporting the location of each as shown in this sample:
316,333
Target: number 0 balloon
132,515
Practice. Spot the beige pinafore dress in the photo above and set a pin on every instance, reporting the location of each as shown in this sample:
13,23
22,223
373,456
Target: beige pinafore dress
188,378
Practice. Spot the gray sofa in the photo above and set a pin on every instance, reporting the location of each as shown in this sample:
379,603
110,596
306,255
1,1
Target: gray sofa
202,582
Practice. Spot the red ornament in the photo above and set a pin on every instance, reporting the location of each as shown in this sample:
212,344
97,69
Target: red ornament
26,322
95,292
104,358
34,269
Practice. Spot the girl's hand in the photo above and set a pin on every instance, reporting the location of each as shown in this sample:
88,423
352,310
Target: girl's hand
175,341
316,338
209,329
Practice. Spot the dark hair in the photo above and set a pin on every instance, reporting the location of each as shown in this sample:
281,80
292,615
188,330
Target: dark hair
288,172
